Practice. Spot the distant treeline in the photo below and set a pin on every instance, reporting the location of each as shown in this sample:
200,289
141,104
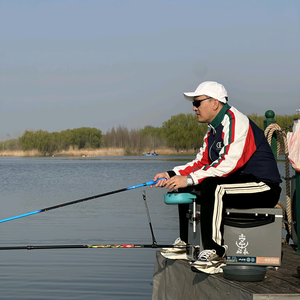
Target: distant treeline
180,132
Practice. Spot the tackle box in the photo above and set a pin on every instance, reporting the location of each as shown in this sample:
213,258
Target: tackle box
253,236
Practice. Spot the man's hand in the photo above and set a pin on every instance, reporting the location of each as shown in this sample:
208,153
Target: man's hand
172,183
162,182
176,182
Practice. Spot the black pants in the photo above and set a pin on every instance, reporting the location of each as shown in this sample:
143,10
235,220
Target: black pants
215,194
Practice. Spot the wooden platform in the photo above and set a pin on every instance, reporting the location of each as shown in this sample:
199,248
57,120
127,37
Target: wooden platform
174,279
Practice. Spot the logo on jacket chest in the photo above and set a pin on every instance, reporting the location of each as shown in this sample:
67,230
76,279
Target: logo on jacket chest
219,146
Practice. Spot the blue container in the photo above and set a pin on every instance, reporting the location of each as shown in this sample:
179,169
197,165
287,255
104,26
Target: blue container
179,198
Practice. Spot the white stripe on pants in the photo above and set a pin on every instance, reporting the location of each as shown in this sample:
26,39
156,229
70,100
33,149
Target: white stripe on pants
234,188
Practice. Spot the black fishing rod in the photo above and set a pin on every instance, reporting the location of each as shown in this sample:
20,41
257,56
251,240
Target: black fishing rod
149,220
81,200
104,246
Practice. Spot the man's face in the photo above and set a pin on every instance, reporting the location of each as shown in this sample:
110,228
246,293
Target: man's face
206,112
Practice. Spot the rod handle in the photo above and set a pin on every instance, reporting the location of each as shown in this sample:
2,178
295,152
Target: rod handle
152,182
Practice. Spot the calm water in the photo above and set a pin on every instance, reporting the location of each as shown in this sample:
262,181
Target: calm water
29,184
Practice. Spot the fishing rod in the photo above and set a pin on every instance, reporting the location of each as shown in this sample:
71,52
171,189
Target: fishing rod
149,220
104,246
152,182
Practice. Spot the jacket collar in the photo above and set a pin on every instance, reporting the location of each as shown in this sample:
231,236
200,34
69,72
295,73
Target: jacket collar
219,117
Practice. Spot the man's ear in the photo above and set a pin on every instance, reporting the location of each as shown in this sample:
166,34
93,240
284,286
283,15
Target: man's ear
216,104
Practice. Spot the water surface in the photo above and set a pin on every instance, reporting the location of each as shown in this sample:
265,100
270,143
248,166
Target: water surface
29,184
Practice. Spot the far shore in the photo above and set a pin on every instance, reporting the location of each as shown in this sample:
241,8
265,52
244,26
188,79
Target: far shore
94,152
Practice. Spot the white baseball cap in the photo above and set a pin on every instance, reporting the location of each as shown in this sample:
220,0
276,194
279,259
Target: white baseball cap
209,88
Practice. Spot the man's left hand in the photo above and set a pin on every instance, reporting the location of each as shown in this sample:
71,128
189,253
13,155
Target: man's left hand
176,182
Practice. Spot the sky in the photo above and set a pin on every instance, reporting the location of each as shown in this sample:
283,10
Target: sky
67,64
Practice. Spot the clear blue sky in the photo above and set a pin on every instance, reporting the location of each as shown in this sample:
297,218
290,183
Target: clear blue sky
68,64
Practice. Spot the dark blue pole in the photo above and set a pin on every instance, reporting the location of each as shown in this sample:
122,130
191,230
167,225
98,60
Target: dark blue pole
80,200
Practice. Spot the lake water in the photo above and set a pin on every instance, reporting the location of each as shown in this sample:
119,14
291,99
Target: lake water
29,184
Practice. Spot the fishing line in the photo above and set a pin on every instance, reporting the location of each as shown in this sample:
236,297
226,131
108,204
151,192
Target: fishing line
80,200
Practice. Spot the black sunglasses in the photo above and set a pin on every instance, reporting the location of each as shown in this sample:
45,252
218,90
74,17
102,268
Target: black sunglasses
197,103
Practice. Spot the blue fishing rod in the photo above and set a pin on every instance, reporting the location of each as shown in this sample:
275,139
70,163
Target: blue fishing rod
81,200
102,246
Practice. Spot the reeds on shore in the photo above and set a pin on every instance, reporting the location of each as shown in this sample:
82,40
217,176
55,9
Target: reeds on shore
89,152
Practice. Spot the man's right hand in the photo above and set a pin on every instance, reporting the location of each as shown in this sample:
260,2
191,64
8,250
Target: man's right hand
161,183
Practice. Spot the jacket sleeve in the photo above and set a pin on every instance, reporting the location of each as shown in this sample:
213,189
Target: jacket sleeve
201,160
239,145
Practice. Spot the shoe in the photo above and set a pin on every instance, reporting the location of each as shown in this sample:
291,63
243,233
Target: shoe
209,260
178,242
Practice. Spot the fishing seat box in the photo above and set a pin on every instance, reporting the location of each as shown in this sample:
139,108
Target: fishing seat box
253,235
